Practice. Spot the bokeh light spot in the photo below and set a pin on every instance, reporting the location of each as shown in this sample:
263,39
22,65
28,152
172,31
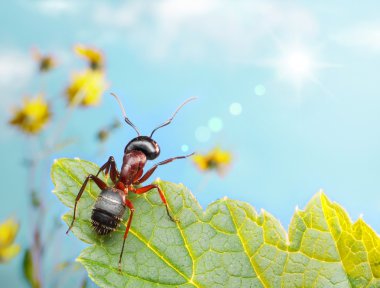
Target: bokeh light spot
184,148
260,90
235,109
215,124
202,134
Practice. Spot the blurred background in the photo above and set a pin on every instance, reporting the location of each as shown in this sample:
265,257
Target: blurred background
288,104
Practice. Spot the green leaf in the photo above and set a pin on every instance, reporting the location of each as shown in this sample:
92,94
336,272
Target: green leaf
228,245
28,269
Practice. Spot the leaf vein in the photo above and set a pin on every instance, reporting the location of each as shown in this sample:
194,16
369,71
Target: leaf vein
253,264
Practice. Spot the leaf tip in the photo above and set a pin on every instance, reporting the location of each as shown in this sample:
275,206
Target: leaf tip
321,196
79,260
321,192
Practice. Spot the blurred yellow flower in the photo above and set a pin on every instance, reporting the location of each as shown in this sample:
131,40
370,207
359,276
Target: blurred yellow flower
32,116
45,62
92,55
86,88
8,249
105,132
216,159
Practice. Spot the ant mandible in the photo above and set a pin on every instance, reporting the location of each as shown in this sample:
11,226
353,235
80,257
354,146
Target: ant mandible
111,203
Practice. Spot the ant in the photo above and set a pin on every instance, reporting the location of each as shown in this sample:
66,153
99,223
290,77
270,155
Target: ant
111,203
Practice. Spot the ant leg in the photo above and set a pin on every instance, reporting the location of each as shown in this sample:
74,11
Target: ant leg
110,167
147,188
132,209
151,170
98,182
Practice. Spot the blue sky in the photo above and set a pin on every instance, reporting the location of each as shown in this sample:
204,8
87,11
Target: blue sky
306,75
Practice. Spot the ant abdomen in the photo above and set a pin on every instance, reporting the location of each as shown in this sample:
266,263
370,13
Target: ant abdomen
108,212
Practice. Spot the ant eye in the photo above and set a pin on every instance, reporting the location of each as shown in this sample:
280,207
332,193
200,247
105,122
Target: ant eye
144,144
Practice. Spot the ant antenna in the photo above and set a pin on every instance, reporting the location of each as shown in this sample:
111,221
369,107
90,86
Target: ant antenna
125,114
167,122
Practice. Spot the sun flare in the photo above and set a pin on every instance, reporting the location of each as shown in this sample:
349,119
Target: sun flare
297,65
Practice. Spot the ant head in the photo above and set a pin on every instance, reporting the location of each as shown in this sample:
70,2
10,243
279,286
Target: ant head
144,144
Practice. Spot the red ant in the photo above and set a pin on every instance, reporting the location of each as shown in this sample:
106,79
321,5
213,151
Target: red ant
111,203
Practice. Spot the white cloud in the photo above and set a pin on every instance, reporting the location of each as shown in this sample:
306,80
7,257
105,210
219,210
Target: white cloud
365,36
16,69
202,29
123,16
56,7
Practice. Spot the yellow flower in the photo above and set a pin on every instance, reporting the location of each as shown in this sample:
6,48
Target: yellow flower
86,88
216,159
45,62
8,231
93,56
105,132
33,116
